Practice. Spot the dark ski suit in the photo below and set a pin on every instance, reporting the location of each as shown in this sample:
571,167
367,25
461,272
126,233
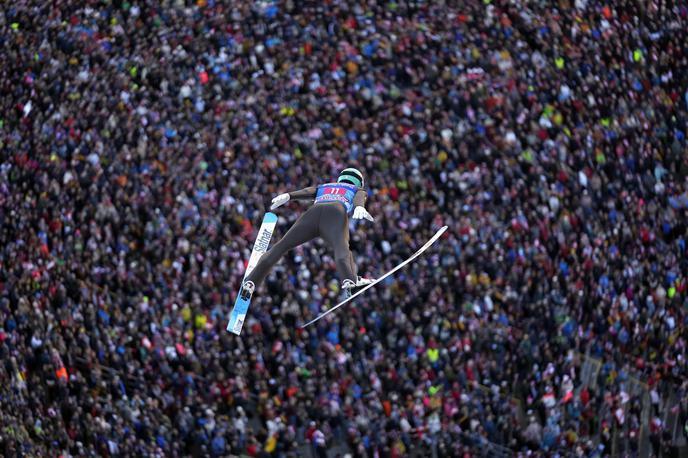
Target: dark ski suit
328,218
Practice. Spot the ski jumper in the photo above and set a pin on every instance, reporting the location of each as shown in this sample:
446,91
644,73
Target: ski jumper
328,218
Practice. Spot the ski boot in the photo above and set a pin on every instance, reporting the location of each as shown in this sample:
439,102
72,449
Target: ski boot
350,287
247,290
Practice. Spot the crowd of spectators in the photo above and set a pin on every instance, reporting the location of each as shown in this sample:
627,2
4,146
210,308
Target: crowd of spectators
141,140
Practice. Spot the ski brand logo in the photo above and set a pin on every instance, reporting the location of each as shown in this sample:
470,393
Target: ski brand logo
263,241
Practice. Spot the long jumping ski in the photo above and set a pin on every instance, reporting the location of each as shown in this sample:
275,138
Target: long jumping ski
427,245
243,300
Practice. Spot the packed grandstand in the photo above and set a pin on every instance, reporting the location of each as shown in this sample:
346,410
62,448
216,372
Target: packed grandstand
142,140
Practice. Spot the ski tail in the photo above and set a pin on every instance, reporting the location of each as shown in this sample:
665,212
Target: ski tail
420,251
260,246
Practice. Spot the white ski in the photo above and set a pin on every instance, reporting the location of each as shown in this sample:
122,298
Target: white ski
240,309
434,238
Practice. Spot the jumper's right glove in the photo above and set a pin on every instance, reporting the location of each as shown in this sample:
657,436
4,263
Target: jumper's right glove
279,200
360,213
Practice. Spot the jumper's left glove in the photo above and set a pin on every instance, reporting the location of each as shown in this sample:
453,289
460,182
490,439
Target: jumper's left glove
279,200
360,213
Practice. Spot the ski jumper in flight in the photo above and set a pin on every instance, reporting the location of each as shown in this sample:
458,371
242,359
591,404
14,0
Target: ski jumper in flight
328,218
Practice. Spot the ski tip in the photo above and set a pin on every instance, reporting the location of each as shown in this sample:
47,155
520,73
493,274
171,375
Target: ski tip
305,325
235,327
270,217
237,318
316,319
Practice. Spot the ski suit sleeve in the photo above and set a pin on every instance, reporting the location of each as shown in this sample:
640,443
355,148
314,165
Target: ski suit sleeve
360,198
304,194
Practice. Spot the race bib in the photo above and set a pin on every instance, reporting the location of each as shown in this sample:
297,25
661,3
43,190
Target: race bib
337,192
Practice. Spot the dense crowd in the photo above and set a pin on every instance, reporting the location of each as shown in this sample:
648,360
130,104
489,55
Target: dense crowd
141,140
